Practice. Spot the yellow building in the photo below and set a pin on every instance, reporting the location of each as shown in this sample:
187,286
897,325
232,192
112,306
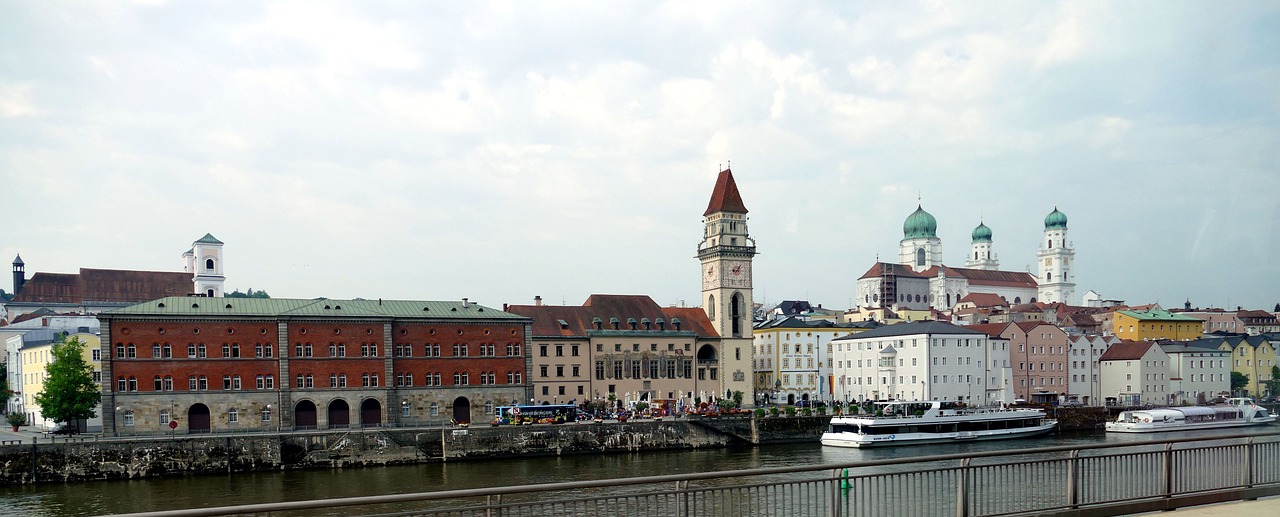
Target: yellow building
1253,356
792,358
35,357
1155,324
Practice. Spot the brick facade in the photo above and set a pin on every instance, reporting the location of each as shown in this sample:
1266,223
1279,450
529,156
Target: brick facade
376,366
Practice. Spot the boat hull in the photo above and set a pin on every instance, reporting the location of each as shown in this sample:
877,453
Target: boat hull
847,439
1161,427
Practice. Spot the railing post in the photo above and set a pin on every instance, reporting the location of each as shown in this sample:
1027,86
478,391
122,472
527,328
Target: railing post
1167,470
1073,484
962,489
489,502
682,499
1248,464
838,481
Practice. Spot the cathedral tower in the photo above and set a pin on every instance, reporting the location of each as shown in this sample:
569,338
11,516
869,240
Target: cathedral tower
920,247
726,252
19,275
982,256
1055,256
204,262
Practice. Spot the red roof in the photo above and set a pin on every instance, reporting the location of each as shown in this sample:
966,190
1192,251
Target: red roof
1126,351
900,270
578,320
984,300
725,197
988,277
990,329
103,285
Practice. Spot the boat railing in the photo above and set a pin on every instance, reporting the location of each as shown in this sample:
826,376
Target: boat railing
1099,479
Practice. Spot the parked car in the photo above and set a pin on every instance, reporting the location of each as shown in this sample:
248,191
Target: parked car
65,429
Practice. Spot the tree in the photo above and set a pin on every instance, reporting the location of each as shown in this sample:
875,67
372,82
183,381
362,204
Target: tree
1238,381
69,391
250,294
1275,380
4,385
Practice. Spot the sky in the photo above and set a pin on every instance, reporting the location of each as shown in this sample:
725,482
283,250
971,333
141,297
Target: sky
504,150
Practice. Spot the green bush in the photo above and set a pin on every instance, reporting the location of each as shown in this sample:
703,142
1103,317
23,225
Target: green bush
16,419
807,412
791,411
773,411
759,412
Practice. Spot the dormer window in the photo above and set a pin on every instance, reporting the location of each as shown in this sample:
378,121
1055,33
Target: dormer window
597,323
613,322
662,325
631,322
647,324
675,322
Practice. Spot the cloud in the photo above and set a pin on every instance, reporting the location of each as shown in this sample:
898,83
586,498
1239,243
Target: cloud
15,101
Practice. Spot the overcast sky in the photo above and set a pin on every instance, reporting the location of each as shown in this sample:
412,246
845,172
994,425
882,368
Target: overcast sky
498,151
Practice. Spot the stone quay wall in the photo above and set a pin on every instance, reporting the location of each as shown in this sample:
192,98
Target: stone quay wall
86,459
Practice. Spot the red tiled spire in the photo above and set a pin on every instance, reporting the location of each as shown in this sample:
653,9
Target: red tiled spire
725,197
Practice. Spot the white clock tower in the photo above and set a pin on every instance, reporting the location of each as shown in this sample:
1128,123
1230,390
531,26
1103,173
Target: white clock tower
726,251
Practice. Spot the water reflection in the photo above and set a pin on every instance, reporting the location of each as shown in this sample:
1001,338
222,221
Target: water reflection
97,498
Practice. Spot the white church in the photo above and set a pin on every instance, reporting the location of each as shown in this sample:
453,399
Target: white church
920,280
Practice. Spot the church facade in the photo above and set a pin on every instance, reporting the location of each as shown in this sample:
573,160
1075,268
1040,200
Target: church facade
921,281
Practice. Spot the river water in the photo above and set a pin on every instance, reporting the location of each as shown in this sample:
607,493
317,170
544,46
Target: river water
105,497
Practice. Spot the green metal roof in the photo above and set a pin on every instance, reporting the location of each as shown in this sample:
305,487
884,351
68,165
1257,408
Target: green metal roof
323,307
1055,219
919,224
982,233
1158,315
209,239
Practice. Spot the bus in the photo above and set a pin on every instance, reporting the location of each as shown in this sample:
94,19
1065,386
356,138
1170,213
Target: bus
548,414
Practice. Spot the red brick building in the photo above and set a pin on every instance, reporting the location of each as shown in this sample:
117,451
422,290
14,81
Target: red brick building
226,364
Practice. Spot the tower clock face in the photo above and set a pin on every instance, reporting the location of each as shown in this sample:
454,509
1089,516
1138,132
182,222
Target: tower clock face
737,274
709,277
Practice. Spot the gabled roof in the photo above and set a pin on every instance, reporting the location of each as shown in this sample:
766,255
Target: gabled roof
880,268
1126,351
725,196
103,285
984,300
579,321
989,277
990,329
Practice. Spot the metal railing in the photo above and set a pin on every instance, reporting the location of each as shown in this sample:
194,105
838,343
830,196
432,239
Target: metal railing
1095,480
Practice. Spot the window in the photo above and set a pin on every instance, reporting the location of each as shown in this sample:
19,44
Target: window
260,382
168,383
235,382
233,416
542,370
133,384
121,385
157,384
559,371
542,350
559,350
128,418
576,370
574,351
434,409
131,351
266,414
164,416
204,383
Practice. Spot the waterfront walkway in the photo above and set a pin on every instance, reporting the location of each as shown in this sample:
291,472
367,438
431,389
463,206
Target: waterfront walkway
1268,507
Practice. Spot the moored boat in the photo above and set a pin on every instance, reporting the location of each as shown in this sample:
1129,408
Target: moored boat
908,423
1236,412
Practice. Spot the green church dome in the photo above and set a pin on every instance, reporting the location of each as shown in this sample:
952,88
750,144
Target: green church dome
920,225
982,233
1055,219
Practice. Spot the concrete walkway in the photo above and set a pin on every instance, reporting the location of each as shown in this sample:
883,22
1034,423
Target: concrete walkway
1269,507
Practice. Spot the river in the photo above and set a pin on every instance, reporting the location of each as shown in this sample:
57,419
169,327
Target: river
105,497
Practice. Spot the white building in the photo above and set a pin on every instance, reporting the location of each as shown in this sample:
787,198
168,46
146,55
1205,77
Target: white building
1085,352
793,358
928,360
1135,372
1200,371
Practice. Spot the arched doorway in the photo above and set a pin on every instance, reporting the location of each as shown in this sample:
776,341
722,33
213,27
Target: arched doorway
198,419
339,414
304,415
371,413
791,399
461,410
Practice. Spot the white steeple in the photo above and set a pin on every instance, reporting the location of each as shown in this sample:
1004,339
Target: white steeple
204,262
1056,278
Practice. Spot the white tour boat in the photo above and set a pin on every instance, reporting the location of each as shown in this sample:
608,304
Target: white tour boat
909,423
1237,412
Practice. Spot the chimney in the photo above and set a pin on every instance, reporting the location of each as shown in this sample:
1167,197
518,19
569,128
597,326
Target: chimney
537,301
465,303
